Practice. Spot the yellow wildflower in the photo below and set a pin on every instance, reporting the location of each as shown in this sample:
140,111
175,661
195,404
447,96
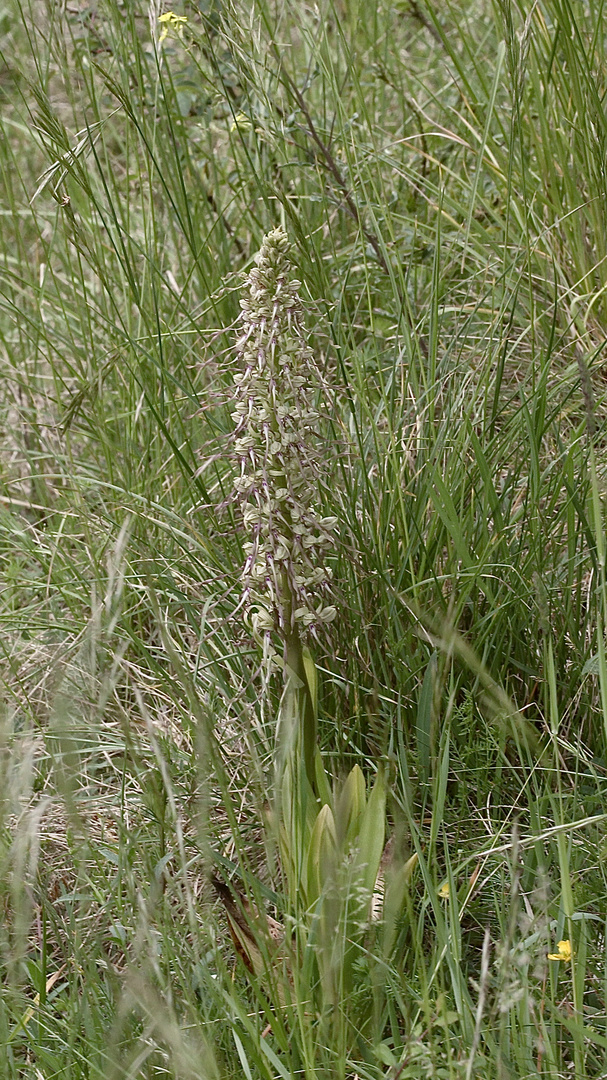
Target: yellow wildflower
171,22
241,122
565,952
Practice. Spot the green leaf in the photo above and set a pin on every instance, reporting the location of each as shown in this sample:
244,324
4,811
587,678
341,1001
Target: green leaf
322,855
312,677
350,806
323,786
298,812
424,721
372,833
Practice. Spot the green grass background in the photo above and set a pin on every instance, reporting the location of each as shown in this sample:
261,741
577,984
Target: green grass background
441,172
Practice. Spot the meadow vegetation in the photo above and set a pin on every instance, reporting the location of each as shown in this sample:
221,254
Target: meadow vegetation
439,172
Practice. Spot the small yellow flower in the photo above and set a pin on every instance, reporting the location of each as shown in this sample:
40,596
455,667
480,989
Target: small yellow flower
241,122
171,22
565,952
444,891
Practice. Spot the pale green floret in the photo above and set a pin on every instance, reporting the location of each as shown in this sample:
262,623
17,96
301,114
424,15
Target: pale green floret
276,427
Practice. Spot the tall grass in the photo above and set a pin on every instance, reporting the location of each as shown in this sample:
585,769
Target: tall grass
440,172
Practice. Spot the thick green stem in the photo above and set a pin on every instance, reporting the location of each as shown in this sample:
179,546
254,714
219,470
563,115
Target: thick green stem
295,673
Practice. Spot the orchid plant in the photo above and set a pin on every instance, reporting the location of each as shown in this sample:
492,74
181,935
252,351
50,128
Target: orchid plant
331,839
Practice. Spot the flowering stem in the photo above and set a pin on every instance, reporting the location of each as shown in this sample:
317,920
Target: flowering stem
278,427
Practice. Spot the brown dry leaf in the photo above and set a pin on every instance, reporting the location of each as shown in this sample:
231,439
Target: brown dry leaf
250,930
